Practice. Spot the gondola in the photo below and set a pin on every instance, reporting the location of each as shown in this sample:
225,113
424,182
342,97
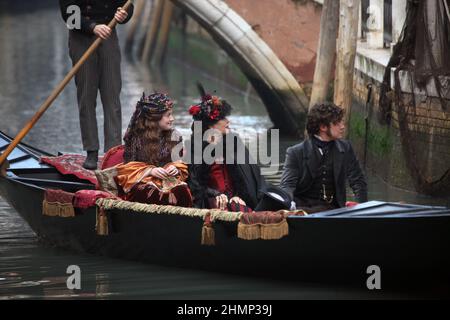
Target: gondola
407,242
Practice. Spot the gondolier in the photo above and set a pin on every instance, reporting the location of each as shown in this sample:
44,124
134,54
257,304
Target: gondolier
100,72
316,170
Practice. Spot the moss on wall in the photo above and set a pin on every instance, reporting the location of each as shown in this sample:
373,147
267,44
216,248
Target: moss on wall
379,138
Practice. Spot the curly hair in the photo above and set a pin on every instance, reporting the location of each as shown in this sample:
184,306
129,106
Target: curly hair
146,142
323,114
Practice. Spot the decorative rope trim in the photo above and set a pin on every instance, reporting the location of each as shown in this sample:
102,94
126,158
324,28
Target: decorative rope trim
247,232
216,214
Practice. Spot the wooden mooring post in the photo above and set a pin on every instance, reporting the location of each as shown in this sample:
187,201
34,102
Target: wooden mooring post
152,34
326,51
145,25
134,23
346,52
164,33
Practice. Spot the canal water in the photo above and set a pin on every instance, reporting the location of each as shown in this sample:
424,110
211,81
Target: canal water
33,59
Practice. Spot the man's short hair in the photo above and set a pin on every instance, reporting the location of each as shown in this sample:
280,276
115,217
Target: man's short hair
323,114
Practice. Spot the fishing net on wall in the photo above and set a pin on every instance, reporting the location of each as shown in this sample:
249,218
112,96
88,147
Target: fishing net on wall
421,59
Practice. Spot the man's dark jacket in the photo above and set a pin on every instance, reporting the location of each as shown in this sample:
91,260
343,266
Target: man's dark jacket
302,162
94,12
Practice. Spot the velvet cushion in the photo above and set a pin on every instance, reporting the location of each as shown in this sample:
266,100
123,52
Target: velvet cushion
113,157
86,198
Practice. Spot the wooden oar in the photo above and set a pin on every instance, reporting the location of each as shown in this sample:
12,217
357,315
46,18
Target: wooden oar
55,94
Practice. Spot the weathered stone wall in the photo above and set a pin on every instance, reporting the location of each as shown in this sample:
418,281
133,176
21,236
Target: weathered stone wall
428,133
428,139
290,28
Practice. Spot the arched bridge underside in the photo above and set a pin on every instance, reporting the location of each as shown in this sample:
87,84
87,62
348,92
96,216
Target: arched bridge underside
283,97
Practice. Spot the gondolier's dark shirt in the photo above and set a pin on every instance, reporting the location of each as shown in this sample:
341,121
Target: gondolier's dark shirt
94,12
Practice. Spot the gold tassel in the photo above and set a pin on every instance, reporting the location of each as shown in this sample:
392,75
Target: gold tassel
49,209
248,231
208,234
67,211
56,209
274,231
101,225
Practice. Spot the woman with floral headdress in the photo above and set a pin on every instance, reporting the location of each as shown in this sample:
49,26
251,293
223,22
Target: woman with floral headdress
149,174
223,182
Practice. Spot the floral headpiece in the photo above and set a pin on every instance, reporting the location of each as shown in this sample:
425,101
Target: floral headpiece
210,109
154,103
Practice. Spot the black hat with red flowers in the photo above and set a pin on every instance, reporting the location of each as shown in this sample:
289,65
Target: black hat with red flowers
211,108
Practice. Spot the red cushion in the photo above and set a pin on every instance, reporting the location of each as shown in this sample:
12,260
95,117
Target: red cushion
113,157
86,198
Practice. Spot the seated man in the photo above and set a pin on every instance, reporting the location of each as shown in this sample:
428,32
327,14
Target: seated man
316,170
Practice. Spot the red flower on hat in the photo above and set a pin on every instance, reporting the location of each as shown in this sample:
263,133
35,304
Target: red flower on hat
194,110
214,114
215,101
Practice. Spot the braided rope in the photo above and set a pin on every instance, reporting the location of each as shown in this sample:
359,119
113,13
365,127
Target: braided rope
216,214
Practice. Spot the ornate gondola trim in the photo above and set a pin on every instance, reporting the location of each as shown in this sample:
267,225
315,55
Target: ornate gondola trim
110,204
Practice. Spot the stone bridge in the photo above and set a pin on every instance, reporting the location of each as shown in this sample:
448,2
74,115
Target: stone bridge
285,99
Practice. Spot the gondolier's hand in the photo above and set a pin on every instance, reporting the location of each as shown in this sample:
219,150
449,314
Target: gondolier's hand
172,170
160,173
120,15
222,201
238,200
102,31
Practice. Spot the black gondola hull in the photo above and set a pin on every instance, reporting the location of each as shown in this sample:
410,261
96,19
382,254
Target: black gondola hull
409,243
323,248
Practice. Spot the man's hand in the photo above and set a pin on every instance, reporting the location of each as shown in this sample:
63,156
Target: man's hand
120,15
102,31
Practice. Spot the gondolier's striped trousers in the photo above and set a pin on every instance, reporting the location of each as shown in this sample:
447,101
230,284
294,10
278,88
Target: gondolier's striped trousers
101,72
